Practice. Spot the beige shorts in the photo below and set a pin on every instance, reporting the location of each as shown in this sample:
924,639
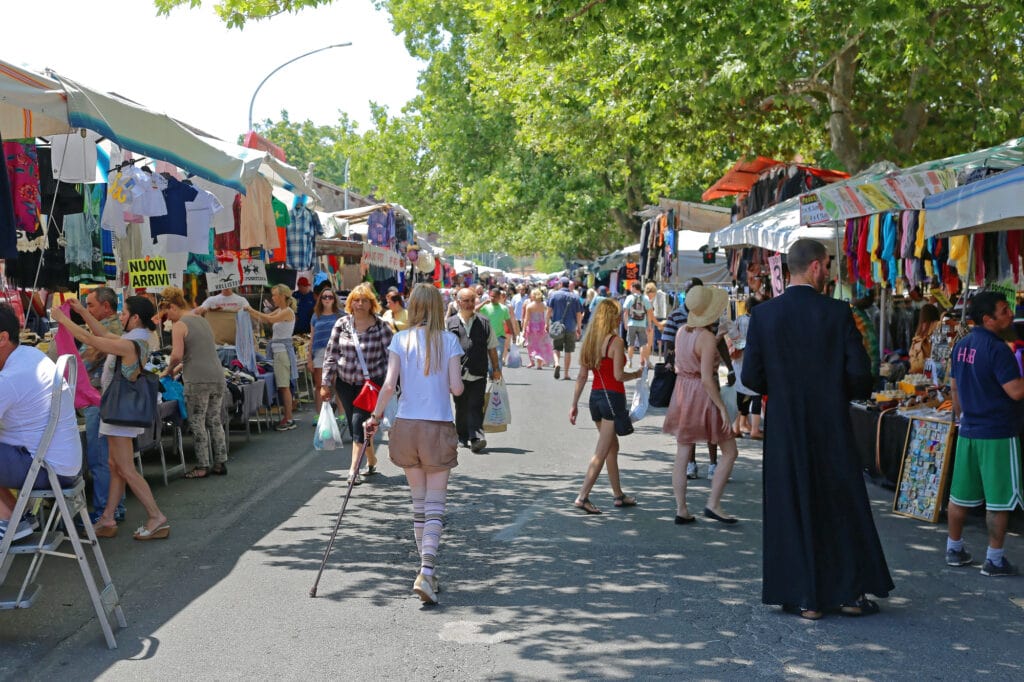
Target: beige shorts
425,444
282,369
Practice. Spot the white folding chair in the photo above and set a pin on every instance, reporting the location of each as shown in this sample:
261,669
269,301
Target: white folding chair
67,504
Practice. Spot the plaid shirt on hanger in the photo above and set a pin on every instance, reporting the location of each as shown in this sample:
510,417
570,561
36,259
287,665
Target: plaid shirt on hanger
302,233
341,360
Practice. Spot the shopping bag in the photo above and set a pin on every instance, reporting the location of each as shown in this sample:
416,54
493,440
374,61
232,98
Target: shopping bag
641,398
729,398
662,385
327,435
515,360
497,413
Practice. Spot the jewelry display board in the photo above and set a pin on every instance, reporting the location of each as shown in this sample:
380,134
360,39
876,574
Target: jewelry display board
924,472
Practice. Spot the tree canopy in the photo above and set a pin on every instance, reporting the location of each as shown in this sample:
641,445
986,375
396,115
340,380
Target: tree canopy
543,126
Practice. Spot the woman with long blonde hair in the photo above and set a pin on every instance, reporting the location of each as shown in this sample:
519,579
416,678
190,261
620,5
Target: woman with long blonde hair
281,348
423,440
604,354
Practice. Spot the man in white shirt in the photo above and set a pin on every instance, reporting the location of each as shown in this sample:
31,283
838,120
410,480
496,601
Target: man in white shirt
26,384
225,299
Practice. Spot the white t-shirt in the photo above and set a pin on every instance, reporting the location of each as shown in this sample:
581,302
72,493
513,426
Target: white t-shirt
199,219
232,303
26,382
424,397
74,157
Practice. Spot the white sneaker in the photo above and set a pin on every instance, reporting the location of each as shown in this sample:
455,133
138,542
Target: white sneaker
691,470
424,587
711,470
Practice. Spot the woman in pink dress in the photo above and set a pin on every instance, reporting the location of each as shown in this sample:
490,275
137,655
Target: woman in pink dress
538,343
696,412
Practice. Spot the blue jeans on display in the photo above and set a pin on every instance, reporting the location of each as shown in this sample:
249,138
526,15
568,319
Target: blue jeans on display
97,457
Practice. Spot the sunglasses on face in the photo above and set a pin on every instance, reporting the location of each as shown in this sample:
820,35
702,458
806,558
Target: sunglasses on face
326,297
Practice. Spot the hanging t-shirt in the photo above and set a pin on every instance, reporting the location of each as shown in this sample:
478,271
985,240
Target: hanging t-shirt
74,157
222,220
200,213
176,195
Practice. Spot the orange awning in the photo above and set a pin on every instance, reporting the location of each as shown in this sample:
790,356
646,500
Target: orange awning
742,176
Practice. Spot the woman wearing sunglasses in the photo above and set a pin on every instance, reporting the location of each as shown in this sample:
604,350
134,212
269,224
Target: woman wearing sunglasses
325,313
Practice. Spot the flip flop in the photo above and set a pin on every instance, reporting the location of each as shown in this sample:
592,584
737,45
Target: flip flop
624,501
194,475
586,505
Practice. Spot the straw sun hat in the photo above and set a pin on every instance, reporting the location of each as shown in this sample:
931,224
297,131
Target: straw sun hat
706,305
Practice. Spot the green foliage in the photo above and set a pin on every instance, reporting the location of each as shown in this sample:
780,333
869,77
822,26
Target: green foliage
548,263
235,13
542,126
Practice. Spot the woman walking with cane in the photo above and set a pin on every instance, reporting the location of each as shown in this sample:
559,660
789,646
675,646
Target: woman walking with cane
423,440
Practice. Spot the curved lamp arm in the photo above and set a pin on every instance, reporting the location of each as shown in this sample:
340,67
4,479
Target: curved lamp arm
295,59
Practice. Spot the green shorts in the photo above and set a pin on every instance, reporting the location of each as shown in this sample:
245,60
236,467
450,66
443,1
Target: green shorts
987,471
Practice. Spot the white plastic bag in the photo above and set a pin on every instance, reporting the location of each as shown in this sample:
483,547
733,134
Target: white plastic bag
497,413
729,398
641,398
327,435
515,360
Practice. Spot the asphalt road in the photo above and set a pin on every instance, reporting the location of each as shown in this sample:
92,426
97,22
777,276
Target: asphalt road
532,588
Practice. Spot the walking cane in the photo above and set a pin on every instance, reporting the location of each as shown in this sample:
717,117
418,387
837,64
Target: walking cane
337,524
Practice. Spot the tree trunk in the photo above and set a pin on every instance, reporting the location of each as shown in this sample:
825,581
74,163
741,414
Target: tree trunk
626,222
845,143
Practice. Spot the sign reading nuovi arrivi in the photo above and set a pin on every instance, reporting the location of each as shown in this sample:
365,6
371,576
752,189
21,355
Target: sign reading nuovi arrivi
144,273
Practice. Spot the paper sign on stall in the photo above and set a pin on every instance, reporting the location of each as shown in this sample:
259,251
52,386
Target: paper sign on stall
145,273
254,272
811,210
381,257
778,286
227,278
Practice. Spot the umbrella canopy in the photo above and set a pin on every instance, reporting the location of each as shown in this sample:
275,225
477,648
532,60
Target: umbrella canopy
989,205
776,228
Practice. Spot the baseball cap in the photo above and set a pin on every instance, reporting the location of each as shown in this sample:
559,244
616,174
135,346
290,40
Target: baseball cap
303,281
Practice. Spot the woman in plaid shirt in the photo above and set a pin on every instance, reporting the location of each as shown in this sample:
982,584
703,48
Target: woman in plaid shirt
343,371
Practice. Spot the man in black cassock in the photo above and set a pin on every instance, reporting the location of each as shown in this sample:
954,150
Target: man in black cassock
821,549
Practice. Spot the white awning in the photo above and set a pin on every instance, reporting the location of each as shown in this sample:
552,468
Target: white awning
776,228
990,205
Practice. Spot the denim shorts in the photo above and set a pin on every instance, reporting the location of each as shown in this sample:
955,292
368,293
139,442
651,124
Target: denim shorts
606,404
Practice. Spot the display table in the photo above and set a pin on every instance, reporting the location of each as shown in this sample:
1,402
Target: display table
253,398
880,454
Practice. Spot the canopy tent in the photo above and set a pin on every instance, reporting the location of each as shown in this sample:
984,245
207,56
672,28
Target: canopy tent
463,267
990,205
775,228
361,213
745,173
880,189
32,105
691,215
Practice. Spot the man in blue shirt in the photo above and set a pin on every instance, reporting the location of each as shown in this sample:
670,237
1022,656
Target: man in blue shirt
565,306
987,390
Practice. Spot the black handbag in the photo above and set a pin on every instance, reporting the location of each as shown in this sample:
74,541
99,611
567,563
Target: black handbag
130,403
662,385
623,424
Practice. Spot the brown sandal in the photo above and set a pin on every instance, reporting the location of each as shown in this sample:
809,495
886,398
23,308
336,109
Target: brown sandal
586,505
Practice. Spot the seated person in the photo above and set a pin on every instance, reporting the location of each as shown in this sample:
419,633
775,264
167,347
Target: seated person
26,384
226,300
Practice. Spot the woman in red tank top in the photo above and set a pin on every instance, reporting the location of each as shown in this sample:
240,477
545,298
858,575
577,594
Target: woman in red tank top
604,354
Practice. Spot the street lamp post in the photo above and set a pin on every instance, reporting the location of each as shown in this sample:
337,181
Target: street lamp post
256,91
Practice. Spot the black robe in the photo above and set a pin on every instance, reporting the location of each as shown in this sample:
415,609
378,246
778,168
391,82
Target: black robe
821,549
